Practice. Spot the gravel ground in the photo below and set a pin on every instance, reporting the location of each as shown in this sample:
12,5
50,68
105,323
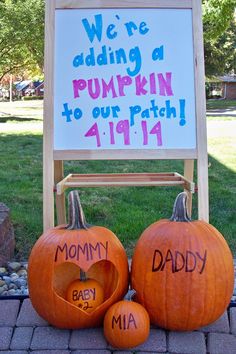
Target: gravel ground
13,279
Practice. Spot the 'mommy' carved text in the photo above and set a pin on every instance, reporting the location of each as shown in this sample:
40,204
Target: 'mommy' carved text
87,251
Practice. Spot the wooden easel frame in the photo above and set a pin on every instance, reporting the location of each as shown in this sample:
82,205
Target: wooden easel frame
53,160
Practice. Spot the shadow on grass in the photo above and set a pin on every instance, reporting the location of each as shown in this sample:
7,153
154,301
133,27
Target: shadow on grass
6,119
223,110
127,211
220,116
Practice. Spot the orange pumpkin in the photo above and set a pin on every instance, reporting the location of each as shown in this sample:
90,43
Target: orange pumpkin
126,324
182,271
87,294
56,260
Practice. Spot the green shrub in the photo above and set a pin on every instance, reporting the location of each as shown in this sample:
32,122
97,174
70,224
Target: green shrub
30,98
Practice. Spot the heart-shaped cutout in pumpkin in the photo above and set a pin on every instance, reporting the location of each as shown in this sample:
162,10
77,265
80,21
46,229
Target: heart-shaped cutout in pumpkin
66,274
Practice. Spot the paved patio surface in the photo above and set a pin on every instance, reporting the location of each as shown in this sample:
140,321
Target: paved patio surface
22,331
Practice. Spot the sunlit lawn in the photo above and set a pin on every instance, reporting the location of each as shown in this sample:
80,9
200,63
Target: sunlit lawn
221,104
126,211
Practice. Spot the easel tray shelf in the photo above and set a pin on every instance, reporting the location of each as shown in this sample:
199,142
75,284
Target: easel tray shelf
124,180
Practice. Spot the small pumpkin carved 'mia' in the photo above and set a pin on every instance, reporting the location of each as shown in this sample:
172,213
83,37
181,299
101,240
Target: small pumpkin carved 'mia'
87,294
182,271
57,259
126,324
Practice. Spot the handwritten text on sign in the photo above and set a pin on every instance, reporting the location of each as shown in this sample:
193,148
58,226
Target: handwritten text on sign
124,79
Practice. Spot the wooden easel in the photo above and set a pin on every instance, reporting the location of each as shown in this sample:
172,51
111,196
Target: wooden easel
54,179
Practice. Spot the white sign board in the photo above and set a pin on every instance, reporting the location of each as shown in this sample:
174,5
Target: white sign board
124,79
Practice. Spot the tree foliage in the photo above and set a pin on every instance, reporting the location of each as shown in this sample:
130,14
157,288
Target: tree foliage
217,15
21,35
219,36
220,54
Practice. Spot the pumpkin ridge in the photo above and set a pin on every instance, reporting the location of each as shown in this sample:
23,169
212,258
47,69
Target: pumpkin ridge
221,241
213,301
189,321
202,240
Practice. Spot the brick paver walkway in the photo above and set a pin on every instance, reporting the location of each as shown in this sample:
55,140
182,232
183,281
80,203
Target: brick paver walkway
22,331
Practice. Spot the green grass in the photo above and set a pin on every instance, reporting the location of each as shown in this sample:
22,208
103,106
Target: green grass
126,211
221,104
219,118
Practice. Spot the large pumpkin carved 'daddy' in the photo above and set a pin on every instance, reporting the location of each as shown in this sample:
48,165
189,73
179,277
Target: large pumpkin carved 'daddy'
182,271
59,256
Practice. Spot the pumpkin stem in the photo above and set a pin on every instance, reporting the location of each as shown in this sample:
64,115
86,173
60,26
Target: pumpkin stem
180,212
75,214
82,275
130,294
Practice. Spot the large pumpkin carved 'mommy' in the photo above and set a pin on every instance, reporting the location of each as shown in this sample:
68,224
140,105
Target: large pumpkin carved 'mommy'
57,259
182,271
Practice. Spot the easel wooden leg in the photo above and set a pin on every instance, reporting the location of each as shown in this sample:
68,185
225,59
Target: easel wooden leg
60,199
48,185
48,166
188,173
203,194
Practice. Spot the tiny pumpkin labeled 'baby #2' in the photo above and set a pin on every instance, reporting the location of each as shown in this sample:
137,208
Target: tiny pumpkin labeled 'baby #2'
126,324
86,294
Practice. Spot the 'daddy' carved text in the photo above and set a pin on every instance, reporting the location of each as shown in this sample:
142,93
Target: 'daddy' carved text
188,261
